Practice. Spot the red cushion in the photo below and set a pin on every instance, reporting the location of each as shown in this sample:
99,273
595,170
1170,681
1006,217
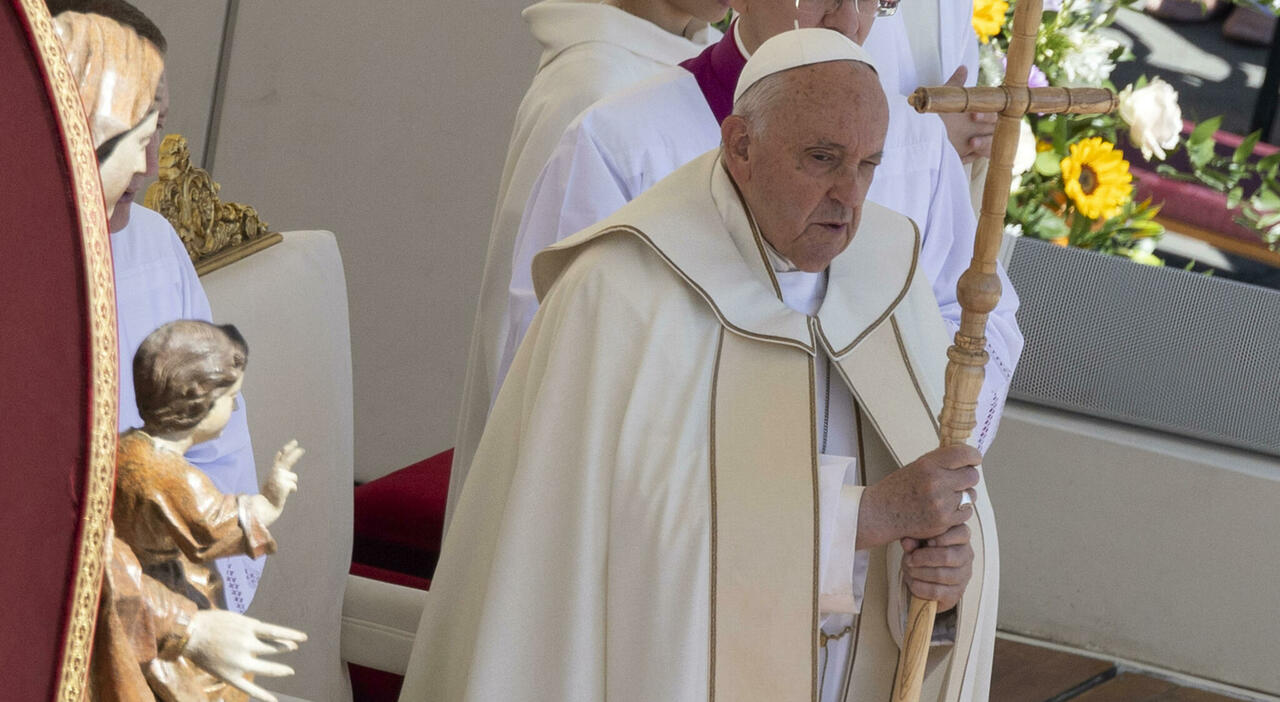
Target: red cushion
389,576
369,685
399,518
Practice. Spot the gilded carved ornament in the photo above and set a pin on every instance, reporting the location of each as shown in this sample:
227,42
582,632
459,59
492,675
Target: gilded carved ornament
215,233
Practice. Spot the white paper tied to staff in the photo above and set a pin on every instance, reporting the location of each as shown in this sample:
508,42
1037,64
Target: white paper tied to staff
966,498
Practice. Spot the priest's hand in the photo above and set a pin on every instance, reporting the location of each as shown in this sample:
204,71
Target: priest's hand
938,569
921,500
970,133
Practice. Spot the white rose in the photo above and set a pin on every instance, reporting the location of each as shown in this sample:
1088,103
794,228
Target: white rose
1089,63
1153,116
1025,157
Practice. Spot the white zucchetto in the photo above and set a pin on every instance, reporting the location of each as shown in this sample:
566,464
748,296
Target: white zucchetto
796,48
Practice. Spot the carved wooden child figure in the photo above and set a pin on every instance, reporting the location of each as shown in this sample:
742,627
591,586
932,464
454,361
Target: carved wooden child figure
186,377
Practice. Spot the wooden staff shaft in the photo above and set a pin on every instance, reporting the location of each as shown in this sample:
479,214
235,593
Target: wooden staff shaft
978,292
1019,101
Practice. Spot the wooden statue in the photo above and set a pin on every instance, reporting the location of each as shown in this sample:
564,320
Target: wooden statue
978,290
170,515
105,77
141,621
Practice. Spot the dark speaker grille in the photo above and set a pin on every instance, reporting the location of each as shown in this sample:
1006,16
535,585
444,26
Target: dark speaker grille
1156,347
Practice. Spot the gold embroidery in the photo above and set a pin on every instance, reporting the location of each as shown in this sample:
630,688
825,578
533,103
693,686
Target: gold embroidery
828,638
915,259
817,532
807,348
857,618
759,238
911,371
711,666
100,291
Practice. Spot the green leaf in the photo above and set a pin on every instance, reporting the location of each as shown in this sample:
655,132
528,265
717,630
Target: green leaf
1234,196
1267,197
1048,163
1200,151
1060,139
1269,220
1214,180
1246,147
1204,130
1268,165
1050,227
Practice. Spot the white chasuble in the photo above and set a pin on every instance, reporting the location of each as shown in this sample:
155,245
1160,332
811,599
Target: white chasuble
624,144
643,519
589,50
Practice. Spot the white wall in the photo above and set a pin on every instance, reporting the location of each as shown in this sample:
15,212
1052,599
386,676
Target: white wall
386,123
1138,544
194,32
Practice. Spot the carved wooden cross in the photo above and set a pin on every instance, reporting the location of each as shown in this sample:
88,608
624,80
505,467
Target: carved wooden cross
978,290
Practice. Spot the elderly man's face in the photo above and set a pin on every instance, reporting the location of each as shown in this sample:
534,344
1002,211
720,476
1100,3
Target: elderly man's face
764,19
806,173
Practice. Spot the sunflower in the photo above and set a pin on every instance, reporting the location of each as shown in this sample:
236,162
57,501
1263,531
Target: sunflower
1097,178
988,18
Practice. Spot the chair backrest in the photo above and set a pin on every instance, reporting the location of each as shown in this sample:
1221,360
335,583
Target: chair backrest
290,302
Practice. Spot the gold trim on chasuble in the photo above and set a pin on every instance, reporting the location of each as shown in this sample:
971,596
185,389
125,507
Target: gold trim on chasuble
755,234
100,291
724,321
764,590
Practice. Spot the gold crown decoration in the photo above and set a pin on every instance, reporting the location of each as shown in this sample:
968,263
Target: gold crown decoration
215,233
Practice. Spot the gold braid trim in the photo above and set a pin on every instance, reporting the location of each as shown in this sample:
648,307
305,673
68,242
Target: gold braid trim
100,290
824,638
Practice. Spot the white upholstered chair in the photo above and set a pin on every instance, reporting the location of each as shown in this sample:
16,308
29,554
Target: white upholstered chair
290,302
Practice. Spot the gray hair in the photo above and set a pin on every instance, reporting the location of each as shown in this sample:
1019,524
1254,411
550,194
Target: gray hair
757,105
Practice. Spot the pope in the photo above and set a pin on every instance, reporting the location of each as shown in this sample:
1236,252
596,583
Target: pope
712,472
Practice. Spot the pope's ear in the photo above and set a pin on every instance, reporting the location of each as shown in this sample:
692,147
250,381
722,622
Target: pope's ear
735,136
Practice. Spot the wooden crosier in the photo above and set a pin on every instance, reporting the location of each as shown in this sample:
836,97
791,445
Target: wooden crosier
978,290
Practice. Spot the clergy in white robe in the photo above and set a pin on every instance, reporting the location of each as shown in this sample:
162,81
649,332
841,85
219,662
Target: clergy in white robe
589,50
687,487
622,145
933,40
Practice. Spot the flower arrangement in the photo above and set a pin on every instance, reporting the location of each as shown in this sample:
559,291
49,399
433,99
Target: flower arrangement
1072,185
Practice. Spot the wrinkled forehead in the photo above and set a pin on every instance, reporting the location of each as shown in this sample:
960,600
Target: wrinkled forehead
839,94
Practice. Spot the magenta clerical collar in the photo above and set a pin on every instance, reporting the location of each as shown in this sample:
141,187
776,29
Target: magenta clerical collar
717,69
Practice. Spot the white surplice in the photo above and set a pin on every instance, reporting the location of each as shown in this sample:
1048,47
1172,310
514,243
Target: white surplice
590,558
931,38
589,50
